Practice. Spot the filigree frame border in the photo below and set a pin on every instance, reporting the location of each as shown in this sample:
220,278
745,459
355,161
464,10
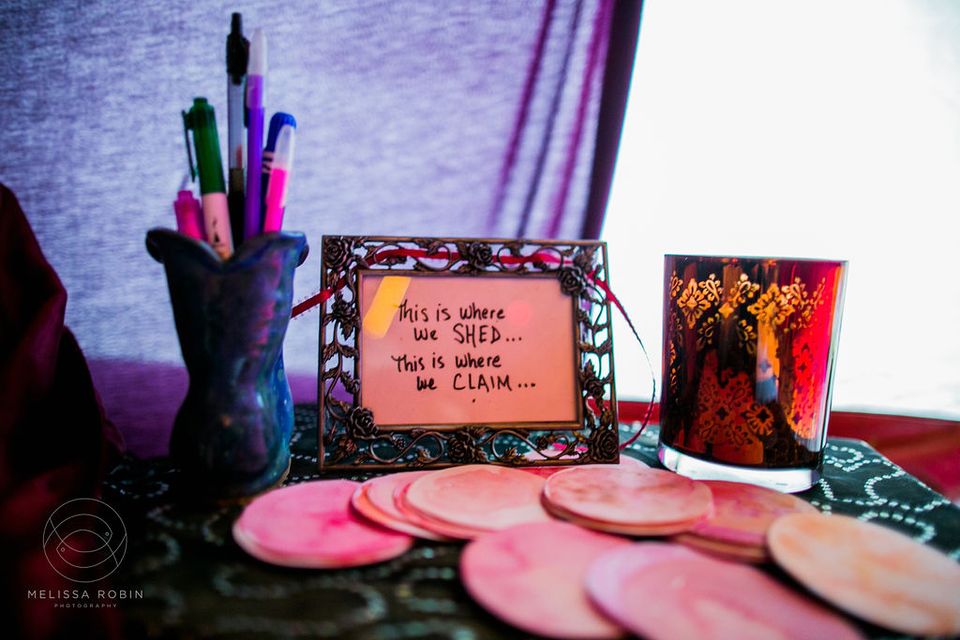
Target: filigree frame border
349,437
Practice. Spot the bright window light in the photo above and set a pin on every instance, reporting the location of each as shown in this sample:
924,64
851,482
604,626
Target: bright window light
817,129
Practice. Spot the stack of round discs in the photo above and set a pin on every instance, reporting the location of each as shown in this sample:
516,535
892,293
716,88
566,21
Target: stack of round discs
545,471
875,573
374,499
464,502
310,525
742,513
631,501
665,591
436,527
532,576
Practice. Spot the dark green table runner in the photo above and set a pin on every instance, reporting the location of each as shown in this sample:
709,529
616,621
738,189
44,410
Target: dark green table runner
197,583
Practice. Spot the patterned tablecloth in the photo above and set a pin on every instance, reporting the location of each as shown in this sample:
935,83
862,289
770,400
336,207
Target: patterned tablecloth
197,583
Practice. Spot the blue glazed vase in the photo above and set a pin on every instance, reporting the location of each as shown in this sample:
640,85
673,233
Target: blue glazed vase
231,436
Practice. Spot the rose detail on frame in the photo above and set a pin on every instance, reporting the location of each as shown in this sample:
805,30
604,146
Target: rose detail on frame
462,447
572,280
478,254
361,423
345,314
336,252
605,443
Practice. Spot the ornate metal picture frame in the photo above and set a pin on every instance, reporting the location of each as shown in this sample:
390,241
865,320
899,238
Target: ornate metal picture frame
349,436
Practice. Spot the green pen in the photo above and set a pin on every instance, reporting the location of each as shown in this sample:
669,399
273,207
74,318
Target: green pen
213,193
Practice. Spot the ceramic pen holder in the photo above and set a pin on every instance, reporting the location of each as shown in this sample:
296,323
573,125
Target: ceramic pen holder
231,436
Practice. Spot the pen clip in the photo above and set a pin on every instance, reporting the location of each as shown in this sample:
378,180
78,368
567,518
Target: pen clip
186,140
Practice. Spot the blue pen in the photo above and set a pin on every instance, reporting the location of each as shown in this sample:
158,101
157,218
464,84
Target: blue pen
278,120
256,70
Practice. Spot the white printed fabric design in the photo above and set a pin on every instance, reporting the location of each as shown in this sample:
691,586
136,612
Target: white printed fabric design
197,582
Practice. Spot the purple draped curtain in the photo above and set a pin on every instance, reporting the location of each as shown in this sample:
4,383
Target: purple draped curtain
465,118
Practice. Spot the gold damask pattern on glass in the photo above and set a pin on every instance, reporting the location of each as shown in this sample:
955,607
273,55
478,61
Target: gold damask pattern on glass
728,414
711,288
707,332
803,409
805,304
772,307
676,285
759,419
747,337
739,293
674,373
699,299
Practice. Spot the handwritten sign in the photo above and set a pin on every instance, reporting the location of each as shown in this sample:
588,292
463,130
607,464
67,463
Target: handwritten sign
449,350
441,351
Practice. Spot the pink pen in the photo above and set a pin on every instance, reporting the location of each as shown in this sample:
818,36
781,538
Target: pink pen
280,170
189,216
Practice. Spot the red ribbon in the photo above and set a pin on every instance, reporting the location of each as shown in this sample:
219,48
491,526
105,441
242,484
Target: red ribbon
383,255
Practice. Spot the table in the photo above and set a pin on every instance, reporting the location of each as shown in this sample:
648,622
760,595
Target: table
197,582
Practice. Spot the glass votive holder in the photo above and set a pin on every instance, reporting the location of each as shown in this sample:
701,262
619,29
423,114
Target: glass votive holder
748,354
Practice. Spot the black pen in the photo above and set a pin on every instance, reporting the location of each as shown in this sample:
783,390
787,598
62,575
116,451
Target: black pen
237,55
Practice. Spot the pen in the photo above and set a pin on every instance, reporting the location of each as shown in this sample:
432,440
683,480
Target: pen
256,71
280,170
237,53
187,209
276,122
216,217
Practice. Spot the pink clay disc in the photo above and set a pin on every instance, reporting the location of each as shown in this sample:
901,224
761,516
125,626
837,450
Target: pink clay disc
484,497
311,525
630,461
374,500
635,501
725,550
438,527
545,471
742,513
667,529
871,571
667,591
531,576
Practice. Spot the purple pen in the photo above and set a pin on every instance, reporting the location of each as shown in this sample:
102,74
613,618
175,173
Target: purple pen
256,71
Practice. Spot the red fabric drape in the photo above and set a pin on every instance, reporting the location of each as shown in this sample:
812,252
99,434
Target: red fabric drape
55,442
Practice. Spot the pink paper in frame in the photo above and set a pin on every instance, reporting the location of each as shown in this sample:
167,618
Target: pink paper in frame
458,350
444,351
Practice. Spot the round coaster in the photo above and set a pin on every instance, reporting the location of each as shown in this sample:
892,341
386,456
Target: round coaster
871,571
311,525
631,501
725,550
374,500
531,576
664,529
484,497
662,591
438,527
546,472
742,513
